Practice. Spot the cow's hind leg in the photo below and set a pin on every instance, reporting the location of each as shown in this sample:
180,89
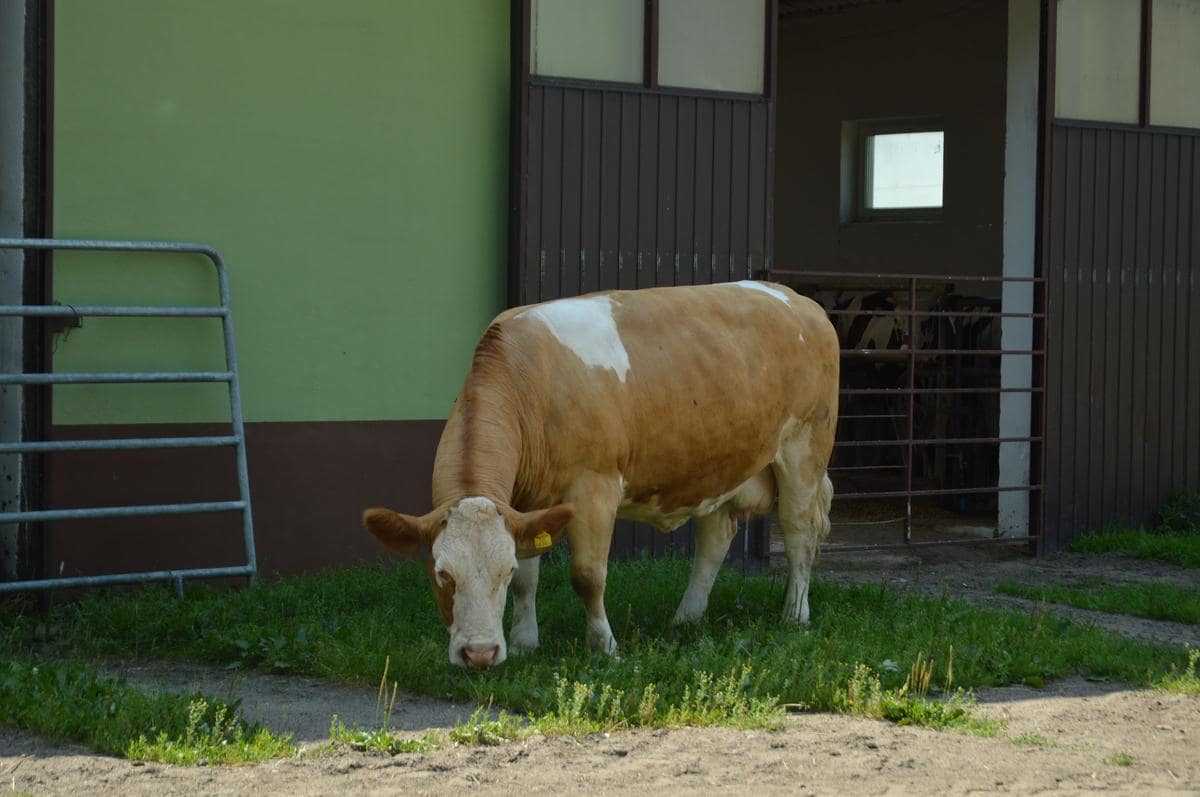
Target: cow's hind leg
713,534
523,637
590,535
805,495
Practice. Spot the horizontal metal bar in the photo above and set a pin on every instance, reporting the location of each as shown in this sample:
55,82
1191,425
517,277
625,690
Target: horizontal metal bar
1025,488
897,519
842,468
110,246
70,311
147,510
869,417
940,352
935,441
790,272
122,444
945,391
126,578
133,377
905,313
835,548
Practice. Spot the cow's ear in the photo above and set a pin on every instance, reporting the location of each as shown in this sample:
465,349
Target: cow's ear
402,534
536,532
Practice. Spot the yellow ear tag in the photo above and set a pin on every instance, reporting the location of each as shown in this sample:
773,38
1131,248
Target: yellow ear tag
542,541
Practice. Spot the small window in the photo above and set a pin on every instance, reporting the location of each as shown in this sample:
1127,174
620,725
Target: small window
903,170
892,170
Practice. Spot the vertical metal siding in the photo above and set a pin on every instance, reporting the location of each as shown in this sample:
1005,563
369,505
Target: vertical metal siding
1123,431
636,189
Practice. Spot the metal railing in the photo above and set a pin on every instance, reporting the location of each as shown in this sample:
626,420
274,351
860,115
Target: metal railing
237,439
908,360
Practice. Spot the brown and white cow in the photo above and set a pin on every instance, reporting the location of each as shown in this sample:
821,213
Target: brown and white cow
655,405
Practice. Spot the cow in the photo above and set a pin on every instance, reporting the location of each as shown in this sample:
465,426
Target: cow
656,405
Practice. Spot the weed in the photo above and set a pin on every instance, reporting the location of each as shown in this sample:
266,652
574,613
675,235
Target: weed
481,729
381,740
1030,740
1181,514
1120,759
1186,682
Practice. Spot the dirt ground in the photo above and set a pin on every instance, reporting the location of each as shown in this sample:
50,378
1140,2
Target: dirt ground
1068,737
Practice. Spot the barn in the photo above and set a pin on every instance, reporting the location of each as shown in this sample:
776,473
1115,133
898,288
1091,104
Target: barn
996,200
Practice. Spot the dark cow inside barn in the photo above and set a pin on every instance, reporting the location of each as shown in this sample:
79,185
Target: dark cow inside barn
656,405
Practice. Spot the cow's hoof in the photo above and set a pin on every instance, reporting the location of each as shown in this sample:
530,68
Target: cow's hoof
685,617
603,644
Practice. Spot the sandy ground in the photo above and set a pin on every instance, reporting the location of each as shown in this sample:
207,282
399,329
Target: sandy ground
1067,737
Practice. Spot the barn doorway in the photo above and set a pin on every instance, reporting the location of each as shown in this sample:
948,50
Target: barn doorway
905,203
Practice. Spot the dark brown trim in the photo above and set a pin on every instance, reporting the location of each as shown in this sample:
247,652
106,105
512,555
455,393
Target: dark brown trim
519,33
1144,64
37,278
771,89
544,81
650,45
1046,78
769,48
1125,126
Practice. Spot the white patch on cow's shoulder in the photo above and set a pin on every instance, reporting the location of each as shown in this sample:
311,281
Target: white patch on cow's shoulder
586,327
767,289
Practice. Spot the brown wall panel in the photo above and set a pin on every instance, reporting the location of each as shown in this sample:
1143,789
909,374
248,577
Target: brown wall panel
636,189
1122,428
309,483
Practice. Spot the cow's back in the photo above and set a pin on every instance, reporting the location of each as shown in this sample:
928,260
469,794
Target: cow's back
683,391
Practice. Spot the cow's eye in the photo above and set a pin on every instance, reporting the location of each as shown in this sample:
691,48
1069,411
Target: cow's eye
443,577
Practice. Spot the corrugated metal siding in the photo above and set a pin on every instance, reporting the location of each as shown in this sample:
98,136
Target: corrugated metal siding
639,189
1123,374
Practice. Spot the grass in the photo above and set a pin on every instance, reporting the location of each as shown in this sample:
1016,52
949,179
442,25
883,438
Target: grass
1156,600
1180,549
1120,760
870,650
68,702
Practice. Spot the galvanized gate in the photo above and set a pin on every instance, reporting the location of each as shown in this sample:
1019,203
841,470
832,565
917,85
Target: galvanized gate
236,439
919,435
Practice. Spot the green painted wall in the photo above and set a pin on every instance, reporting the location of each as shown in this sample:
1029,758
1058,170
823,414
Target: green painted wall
348,159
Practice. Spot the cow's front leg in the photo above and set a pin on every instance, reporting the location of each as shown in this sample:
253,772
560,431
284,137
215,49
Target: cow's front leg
523,638
713,535
590,534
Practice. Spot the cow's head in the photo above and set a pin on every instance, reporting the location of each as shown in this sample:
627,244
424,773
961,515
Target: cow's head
475,546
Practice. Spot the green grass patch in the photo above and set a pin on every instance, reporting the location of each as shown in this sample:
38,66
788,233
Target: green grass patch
69,702
740,666
1180,549
1120,760
1156,600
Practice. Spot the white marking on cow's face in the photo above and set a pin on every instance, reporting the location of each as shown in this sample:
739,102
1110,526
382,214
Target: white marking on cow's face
586,327
476,552
802,337
767,289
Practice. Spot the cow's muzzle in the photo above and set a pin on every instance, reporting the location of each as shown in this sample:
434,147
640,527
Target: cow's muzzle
484,656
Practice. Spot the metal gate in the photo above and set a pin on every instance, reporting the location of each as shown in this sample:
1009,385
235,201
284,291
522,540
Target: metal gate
919,437
236,439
